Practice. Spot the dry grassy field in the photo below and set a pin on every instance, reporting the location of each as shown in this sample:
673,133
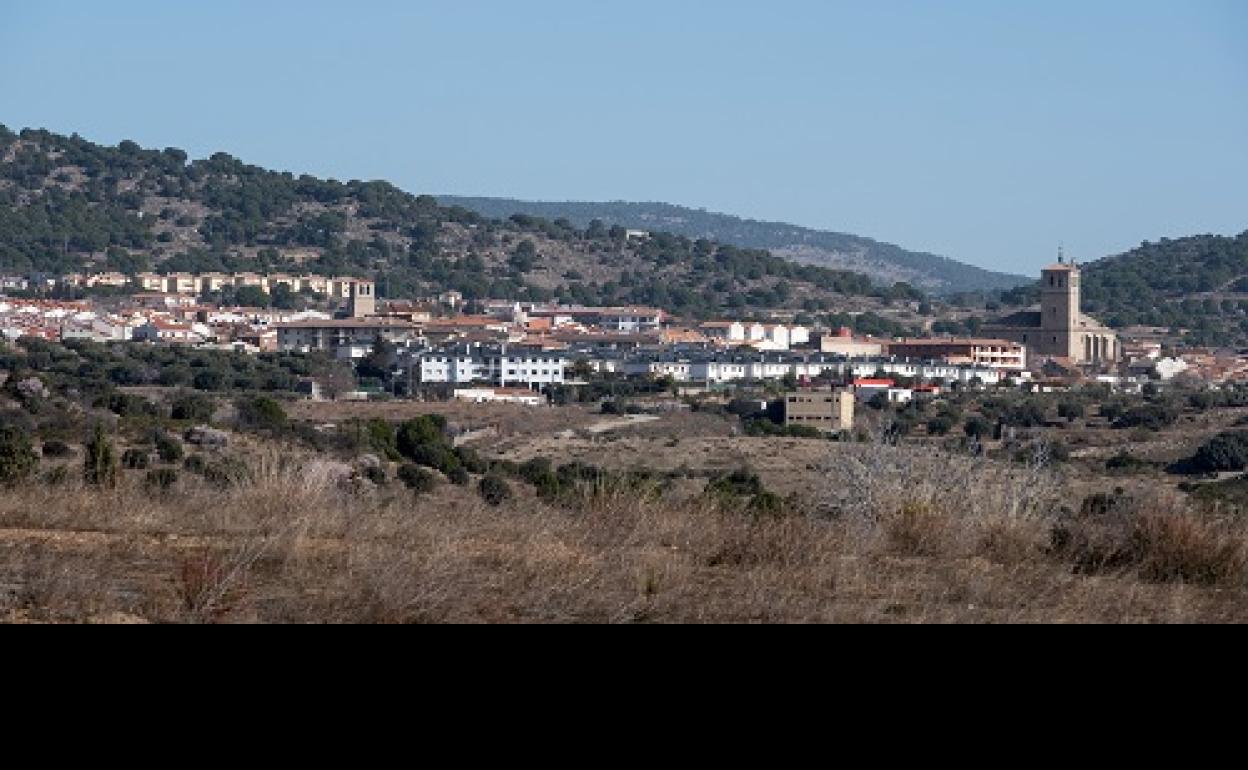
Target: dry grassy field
881,535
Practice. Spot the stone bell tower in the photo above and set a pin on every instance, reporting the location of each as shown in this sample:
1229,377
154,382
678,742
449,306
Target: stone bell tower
1060,307
363,299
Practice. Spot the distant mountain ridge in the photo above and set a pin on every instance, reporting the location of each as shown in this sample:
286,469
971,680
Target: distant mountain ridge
882,261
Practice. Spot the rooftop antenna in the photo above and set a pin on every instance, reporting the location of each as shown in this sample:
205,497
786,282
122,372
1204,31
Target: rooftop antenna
1061,254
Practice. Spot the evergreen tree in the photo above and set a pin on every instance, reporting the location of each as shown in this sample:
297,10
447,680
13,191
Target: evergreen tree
100,465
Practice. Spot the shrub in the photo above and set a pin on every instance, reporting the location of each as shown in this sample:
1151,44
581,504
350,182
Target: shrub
169,449
739,483
161,479
471,461
978,427
535,469
136,460
1124,462
209,379
417,479
1150,416
57,476
56,449
440,457
100,465
422,431
193,407
226,472
376,474
547,485
382,439
460,477
494,490
17,458
261,413
1071,410
128,405
1224,452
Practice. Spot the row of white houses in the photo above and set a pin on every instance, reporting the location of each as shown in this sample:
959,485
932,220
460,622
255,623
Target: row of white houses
722,372
535,369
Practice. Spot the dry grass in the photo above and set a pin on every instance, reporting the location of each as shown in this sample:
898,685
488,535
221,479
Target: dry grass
895,536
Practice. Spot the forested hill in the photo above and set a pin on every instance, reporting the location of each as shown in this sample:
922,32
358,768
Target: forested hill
884,262
67,204
1198,284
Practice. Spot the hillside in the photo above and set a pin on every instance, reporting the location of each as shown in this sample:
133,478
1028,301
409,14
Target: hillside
882,261
67,204
1197,284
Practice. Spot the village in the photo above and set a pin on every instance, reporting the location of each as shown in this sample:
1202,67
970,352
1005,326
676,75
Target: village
514,352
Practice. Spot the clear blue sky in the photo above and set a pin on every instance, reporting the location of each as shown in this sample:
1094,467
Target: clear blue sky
987,131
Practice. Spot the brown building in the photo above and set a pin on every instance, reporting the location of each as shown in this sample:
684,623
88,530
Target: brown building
996,354
831,411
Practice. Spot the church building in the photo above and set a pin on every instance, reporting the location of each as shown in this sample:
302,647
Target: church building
1059,329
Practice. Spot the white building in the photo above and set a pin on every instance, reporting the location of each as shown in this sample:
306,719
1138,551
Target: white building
498,368
522,396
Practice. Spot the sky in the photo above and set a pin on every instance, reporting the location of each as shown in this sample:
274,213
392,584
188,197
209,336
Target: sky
989,132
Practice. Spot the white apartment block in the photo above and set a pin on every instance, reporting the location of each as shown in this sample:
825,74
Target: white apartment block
501,369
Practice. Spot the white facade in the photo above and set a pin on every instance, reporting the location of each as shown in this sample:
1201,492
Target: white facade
721,372
526,369
499,396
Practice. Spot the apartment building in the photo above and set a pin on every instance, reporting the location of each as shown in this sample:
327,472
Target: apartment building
830,411
497,366
354,335
994,353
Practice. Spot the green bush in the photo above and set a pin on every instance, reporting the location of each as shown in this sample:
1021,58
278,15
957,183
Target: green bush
136,460
440,457
494,490
17,457
460,477
193,407
429,429
382,439
472,462
161,479
417,479
1150,416
56,449
169,449
536,469
1224,452
261,413
978,427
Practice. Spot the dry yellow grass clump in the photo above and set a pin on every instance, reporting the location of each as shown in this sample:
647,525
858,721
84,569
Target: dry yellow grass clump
886,535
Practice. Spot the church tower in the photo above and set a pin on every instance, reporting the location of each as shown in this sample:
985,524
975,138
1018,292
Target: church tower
1060,306
363,299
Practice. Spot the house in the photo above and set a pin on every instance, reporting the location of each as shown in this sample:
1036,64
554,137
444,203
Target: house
167,332
868,390
829,411
728,332
844,343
